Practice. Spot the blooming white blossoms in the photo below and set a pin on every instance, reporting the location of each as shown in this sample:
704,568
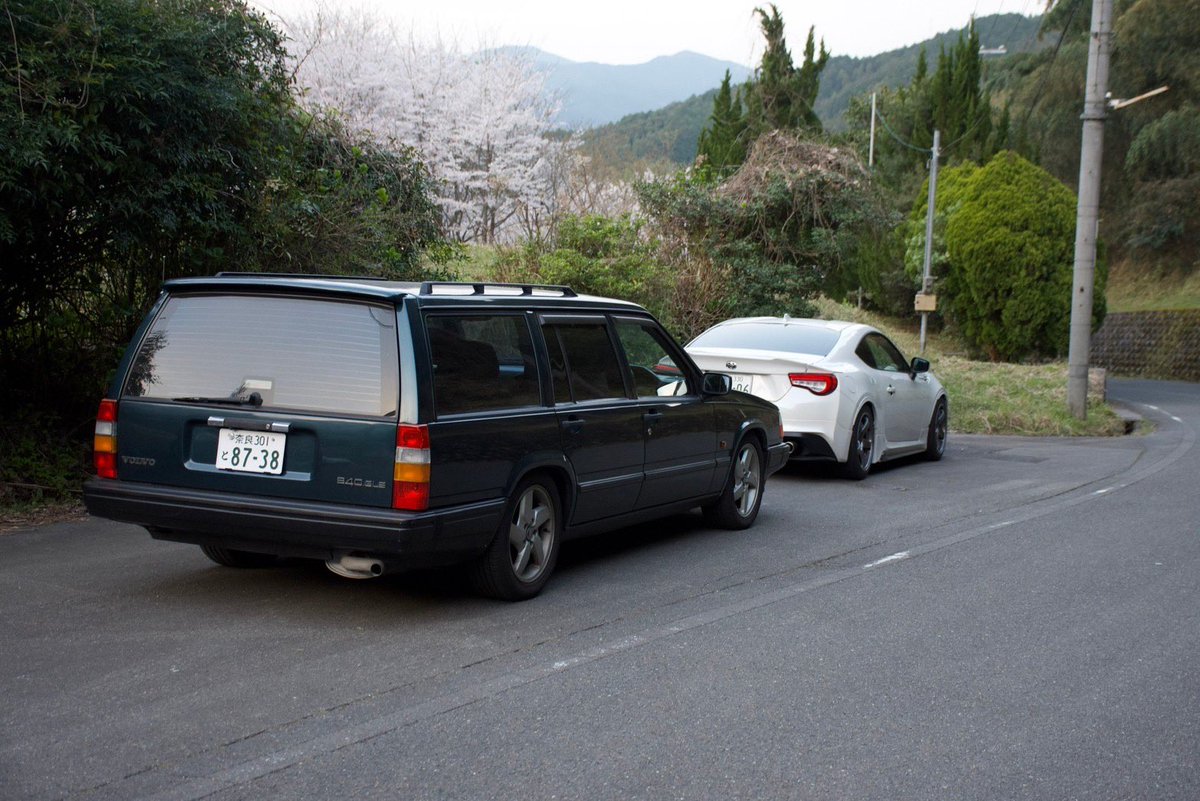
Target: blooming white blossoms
483,122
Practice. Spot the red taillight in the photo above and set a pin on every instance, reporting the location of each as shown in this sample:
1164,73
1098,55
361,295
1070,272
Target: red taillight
104,443
410,477
816,383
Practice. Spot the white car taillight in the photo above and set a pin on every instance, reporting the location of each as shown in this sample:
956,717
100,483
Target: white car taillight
816,383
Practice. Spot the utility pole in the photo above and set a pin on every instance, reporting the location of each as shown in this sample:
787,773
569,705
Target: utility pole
926,281
1087,217
871,149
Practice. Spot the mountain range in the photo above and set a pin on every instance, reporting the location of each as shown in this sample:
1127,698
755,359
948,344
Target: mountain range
595,94
598,95
654,112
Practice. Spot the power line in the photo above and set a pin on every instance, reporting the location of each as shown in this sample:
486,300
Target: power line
1050,64
1017,23
995,18
896,136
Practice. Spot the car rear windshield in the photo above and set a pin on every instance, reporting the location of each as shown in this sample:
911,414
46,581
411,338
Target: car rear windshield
294,353
815,340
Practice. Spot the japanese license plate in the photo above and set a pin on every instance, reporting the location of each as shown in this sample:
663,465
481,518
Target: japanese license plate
250,451
742,383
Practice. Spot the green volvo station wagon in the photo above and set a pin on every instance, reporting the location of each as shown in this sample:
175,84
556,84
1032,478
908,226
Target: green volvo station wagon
378,425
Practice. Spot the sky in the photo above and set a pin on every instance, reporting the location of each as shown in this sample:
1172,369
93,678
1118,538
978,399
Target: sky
635,31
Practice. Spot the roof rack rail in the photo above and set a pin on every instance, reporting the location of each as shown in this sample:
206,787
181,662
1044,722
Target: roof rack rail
480,288
322,276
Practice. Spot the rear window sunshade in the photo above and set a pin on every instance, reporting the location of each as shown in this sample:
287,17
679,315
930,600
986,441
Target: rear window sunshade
296,353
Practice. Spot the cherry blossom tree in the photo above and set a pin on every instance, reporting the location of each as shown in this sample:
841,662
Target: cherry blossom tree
483,122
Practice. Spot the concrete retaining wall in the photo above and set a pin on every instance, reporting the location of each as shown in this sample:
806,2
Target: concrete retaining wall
1156,344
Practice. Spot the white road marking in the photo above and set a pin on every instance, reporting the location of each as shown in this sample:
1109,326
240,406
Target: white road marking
896,557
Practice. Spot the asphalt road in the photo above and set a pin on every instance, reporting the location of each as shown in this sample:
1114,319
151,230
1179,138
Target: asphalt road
1020,620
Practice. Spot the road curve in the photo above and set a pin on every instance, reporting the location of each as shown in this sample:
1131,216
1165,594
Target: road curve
1018,620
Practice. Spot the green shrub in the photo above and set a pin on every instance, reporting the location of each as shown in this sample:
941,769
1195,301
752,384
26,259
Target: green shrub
786,225
1004,251
595,255
40,462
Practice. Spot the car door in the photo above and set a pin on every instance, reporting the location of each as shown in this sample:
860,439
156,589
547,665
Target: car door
679,428
600,425
901,401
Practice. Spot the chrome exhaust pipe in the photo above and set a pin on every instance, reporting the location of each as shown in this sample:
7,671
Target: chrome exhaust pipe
355,567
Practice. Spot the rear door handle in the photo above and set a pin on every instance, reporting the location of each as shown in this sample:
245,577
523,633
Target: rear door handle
653,416
572,425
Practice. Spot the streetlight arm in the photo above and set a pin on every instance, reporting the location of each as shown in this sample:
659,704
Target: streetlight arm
1116,103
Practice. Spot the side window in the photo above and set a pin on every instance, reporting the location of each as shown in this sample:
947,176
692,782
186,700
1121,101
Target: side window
589,368
655,373
481,363
558,366
864,352
886,356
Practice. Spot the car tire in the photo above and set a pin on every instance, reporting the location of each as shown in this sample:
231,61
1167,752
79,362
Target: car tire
229,557
522,555
862,445
939,423
740,500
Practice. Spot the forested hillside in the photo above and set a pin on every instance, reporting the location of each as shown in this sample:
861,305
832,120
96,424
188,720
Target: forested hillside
668,136
846,77
656,140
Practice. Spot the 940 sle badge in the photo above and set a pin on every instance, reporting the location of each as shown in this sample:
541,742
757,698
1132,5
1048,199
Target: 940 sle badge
365,483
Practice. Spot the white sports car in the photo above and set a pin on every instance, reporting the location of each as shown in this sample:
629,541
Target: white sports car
845,390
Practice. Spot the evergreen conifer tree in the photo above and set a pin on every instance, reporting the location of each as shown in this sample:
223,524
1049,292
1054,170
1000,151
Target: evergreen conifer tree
780,96
723,141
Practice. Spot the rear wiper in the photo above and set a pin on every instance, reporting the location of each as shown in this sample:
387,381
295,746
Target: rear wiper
253,400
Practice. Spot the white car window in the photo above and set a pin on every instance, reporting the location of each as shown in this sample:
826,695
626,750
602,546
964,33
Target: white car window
884,355
789,338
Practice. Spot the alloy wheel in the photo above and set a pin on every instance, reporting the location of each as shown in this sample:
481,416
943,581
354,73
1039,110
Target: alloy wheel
747,480
531,533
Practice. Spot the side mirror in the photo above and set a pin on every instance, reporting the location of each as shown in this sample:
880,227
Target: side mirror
717,384
918,365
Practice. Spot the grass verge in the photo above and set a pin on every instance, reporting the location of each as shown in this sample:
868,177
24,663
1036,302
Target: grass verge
1132,288
992,397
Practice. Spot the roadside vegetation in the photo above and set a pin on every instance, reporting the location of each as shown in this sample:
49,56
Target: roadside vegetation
1130,289
989,397
145,140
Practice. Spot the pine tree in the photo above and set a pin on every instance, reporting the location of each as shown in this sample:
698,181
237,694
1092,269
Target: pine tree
808,82
957,105
780,96
922,67
723,141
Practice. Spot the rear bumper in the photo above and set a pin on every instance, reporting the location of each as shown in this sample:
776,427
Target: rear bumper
298,528
777,456
810,447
